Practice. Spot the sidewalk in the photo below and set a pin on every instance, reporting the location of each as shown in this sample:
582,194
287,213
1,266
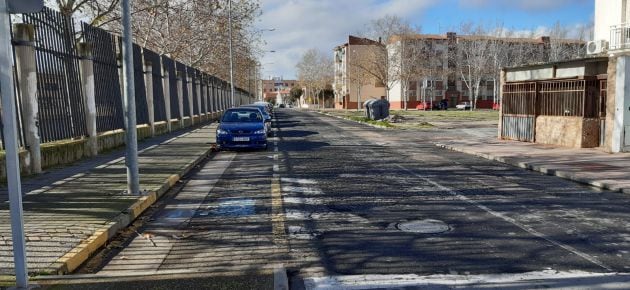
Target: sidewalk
588,166
70,212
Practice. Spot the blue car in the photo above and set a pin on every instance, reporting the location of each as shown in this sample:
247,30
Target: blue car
242,128
265,113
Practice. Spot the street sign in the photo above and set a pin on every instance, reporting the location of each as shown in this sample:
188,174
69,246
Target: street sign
25,6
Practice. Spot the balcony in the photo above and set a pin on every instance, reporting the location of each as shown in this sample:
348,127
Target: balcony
619,37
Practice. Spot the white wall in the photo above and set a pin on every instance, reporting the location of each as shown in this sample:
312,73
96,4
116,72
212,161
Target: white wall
607,14
621,126
395,92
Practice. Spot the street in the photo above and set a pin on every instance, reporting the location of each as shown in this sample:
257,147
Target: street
339,203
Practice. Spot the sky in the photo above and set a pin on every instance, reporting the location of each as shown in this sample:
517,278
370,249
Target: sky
324,24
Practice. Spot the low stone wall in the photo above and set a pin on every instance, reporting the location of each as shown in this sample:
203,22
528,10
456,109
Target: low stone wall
63,152
575,132
187,122
196,119
161,128
176,125
23,155
110,140
70,151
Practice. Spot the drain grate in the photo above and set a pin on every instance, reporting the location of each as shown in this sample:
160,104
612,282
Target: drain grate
427,226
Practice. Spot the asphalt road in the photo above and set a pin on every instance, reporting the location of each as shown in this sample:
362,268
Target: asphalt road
341,204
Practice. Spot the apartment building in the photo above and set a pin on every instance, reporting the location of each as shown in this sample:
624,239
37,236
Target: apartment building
270,88
353,85
426,69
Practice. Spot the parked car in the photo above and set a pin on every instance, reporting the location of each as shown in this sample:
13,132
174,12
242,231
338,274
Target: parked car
268,105
266,116
281,106
464,106
242,128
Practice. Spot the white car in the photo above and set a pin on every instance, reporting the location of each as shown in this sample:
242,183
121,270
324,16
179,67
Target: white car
463,106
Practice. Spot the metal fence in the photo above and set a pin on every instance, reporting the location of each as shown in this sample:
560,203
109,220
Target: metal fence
577,98
204,92
182,70
59,86
192,75
60,100
524,101
169,66
142,111
107,94
153,59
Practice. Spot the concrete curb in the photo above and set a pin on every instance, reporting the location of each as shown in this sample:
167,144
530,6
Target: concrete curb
79,254
540,168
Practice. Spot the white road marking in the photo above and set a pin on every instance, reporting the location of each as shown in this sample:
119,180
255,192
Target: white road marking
510,220
538,280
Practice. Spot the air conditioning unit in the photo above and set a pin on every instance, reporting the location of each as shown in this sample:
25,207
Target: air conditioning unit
597,47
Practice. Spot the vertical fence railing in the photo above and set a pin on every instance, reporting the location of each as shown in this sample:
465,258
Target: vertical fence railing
192,74
202,91
159,109
524,101
169,65
60,95
107,94
60,101
142,114
181,68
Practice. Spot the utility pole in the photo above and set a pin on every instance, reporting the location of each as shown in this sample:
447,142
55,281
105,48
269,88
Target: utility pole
231,55
131,158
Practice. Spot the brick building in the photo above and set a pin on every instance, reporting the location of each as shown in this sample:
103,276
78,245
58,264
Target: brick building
352,86
440,75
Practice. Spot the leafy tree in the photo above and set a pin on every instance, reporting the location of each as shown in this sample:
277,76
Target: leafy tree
295,94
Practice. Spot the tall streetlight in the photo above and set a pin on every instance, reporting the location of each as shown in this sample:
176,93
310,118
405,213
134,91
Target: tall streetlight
131,158
231,58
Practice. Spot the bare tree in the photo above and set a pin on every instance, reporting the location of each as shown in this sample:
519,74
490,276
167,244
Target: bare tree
473,58
193,32
315,73
377,62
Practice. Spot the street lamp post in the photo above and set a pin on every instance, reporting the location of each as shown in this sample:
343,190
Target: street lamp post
231,56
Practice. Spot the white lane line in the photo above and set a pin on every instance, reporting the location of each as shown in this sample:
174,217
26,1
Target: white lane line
530,280
276,168
510,220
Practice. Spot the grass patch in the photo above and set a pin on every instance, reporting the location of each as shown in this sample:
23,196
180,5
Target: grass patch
370,121
451,115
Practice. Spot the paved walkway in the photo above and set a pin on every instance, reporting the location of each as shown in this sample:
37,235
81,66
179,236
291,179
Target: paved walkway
589,166
70,212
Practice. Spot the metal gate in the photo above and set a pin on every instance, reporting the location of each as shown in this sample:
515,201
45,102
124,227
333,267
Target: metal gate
603,86
519,111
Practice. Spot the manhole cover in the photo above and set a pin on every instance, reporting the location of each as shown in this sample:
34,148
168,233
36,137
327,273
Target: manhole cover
427,226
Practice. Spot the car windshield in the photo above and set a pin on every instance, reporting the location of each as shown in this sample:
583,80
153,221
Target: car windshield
262,109
242,116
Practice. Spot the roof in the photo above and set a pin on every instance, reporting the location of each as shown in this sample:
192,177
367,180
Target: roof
538,40
355,40
577,60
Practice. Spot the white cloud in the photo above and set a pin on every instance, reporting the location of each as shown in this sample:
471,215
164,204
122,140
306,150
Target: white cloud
528,5
324,24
